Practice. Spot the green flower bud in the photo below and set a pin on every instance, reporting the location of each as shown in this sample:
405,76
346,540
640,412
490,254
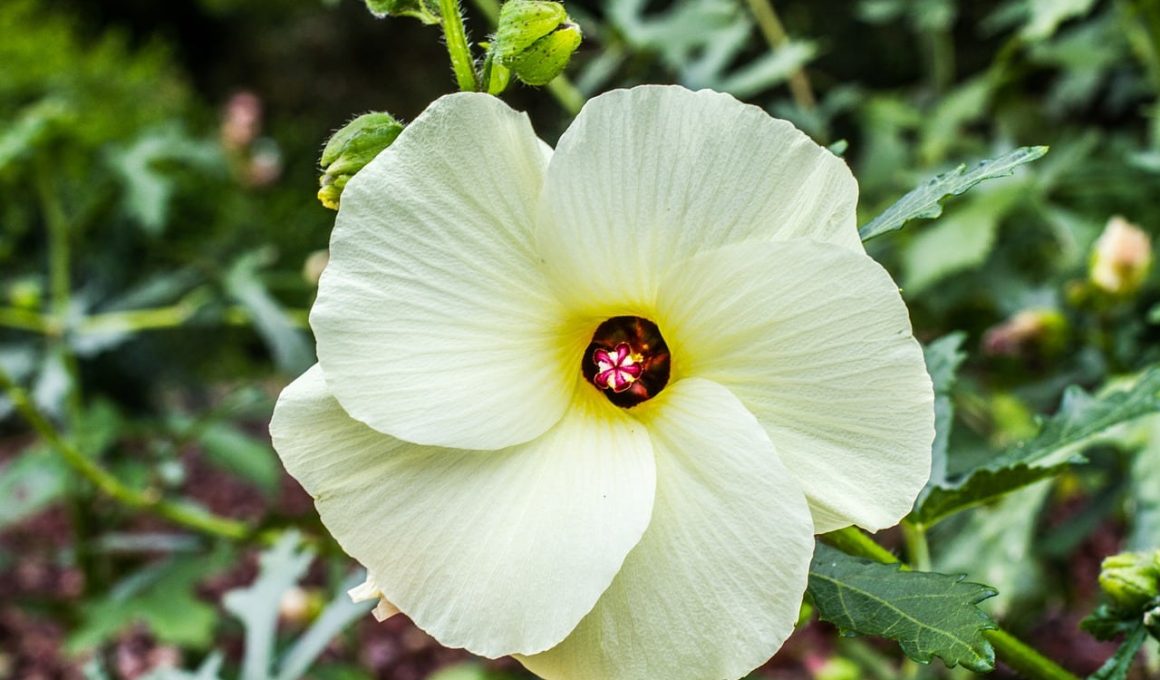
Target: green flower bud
419,9
523,22
1131,580
548,56
350,149
535,40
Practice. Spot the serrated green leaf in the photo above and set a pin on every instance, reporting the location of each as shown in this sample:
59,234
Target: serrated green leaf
928,614
924,202
1081,418
1118,666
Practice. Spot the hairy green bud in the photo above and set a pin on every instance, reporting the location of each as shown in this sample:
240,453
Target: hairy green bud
1131,580
548,56
426,12
535,40
350,149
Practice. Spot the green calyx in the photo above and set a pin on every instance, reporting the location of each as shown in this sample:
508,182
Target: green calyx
418,9
1131,580
534,41
350,149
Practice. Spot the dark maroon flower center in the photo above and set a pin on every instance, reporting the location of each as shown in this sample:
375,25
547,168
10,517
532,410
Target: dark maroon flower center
628,360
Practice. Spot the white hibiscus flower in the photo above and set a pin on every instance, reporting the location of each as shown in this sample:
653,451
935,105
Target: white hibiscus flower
588,406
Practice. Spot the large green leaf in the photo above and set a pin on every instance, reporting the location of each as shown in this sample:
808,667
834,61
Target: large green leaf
924,202
928,614
1081,419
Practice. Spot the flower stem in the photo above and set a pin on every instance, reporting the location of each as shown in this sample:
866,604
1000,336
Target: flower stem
149,500
917,549
1012,651
775,35
457,48
1023,659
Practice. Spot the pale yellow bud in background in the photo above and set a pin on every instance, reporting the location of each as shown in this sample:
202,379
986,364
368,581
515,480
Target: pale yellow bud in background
1121,258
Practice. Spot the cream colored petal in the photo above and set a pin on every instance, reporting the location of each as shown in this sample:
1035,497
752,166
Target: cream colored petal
433,320
715,585
816,342
499,552
647,177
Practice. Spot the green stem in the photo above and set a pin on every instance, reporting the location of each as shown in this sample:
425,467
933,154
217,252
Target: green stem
775,35
1023,659
106,483
1012,651
457,47
566,94
58,243
917,548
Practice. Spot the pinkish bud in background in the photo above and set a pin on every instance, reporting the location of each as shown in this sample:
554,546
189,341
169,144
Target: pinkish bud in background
1121,258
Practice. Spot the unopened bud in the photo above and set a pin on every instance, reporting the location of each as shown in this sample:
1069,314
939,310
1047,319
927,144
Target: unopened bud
313,266
350,149
535,40
1040,331
300,606
1121,258
241,121
1131,580
426,12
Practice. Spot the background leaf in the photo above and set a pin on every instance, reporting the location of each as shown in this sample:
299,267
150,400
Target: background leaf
925,201
1081,418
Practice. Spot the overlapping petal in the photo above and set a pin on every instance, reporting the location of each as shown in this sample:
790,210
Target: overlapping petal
433,319
713,588
498,551
816,342
647,177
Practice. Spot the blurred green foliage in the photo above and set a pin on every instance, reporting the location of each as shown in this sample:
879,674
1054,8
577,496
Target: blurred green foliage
157,180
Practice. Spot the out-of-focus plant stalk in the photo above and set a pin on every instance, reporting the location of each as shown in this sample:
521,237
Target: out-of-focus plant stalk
775,35
917,548
561,88
106,483
132,320
457,48
1013,651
